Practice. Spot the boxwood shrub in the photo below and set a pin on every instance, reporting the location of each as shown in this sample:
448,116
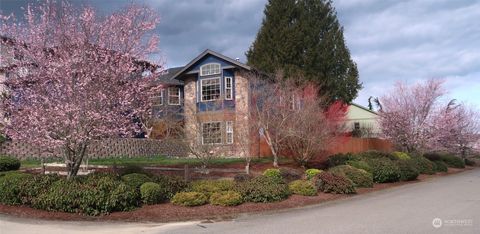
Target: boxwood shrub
189,199
303,187
440,166
384,170
331,183
408,170
151,193
226,198
359,177
208,187
136,179
9,163
312,172
263,189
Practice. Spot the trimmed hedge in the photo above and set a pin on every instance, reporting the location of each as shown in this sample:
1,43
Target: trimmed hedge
331,183
189,199
424,166
226,198
171,184
208,187
359,177
360,164
263,189
136,179
303,187
408,170
440,166
151,193
384,170
312,172
401,155
9,163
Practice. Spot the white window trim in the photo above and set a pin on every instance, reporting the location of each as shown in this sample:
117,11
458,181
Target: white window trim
201,88
231,88
221,135
160,97
210,64
227,131
179,97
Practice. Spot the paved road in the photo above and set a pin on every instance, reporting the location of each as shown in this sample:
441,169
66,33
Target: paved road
455,200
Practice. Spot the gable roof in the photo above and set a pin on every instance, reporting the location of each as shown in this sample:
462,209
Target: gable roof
210,52
167,76
363,108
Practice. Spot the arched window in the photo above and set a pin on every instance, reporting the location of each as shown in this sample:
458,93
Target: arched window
210,69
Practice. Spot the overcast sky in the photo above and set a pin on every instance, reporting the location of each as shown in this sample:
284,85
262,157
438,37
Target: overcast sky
409,40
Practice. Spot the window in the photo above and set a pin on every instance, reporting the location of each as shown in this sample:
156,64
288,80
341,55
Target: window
356,126
210,89
158,100
173,96
210,69
228,88
229,132
211,133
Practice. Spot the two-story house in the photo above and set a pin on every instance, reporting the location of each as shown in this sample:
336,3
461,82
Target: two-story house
212,92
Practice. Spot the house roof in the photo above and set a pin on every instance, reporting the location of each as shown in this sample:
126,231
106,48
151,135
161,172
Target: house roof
364,108
167,76
210,52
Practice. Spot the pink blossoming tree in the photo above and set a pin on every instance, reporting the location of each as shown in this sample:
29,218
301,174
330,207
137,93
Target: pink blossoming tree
78,76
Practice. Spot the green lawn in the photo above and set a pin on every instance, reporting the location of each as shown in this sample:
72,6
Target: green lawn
154,161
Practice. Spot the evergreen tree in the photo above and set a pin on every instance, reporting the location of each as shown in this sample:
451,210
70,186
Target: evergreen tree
303,38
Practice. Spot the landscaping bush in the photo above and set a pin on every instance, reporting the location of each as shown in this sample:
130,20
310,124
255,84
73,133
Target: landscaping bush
360,164
171,184
339,159
401,155
9,163
226,198
131,169
359,177
432,156
263,189
208,187
374,154
136,179
330,183
440,166
408,170
424,166
273,173
452,161
12,184
469,162
151,193
311,173
36,185
384,170
290,174
303,187
242,177
189,199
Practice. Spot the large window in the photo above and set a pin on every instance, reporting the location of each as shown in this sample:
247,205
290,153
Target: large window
229,132
158,100
173,96
228,88
212,133
210,89
210,69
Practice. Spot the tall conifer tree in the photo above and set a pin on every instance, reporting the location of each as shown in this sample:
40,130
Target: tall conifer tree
303,38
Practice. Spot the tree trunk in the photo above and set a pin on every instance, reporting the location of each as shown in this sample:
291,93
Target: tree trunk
74,159
247,168
272,148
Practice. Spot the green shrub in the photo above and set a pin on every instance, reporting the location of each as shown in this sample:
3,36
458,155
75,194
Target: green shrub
312,172
12,185
384,170
273,173
36,185
131,169
432,156
452,161
359,177
303,187
360,164
226,198
408,170
374,154
401,155
9,163
2,138
289,174
151,193
208,187
263,189
189,199
242,177
469,162
330,183
339,159
424,166
171,184
136,179
440,166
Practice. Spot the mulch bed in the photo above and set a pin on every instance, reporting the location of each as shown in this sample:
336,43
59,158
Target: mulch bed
170,213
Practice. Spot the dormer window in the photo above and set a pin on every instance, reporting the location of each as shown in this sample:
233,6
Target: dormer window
210,69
